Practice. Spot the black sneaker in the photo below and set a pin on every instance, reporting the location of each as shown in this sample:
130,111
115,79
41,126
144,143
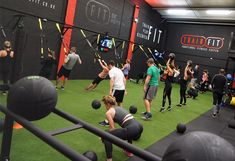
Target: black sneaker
184,104
4,93
162,109
143,113
62,88
213,115
169,108
179,105
148,116
104,123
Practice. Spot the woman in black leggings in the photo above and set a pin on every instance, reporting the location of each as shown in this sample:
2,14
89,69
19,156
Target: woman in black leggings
170,70
130,128
183,82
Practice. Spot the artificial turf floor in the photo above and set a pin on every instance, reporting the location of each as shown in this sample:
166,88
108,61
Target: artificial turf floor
76,101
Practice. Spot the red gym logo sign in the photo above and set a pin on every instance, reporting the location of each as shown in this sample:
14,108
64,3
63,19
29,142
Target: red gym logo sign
202,43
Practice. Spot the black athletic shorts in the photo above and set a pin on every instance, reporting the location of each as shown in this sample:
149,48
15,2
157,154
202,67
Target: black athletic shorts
63,72
119,95
97,80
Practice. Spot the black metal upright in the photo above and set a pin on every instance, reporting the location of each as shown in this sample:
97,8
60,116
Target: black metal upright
6,139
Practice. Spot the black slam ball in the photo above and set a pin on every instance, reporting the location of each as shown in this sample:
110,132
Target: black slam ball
96,104
172,56
133,109
199,146
91,155
32,97
181,128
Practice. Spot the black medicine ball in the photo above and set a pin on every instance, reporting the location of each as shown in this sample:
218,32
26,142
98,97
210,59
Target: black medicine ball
91,155
133,109
181,128
32,97
172,56
199,146
96,104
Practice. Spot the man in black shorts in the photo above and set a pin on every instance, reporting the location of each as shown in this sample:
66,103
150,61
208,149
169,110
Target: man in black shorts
70,60
219,86
117,86
101,76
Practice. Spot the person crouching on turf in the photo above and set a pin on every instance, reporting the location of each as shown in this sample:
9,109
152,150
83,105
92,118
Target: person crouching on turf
130,128
47,64
102,75
170,70
192,92
70,60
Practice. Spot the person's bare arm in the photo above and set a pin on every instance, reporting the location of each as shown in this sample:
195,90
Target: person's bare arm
147,82
79,60
109,117
101,64
111,82
12,54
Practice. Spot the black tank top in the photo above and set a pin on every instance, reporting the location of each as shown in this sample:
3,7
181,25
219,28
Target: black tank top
5,62
169,79
120,115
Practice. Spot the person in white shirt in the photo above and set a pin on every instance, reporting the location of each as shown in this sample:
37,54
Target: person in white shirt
117,86
117,83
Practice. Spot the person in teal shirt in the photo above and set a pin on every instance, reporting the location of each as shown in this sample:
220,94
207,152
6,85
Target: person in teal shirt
150,87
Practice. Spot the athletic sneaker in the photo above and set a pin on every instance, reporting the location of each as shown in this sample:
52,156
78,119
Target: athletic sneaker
179,105
62,88
162,109
143,113
213,115
127,153
147,116
104,123
56,87
184,104
169,108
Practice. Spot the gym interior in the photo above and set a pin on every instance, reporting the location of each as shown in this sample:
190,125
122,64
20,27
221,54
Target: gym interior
41,119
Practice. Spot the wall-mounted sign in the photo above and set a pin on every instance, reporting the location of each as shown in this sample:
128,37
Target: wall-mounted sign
150,33
199,42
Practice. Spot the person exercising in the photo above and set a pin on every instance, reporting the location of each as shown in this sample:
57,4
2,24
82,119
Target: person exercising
126,68
101,76
6,57
70,61
170,70
130,128
219,86
188,74
47,64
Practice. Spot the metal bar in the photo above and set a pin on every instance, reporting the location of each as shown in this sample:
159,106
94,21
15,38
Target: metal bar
6,139
62,23
113,139
64,130
62,148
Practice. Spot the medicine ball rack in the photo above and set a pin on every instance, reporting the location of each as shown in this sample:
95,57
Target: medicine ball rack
48,138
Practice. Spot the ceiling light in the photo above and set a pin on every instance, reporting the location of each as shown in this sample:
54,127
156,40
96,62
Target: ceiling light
218,12
177,11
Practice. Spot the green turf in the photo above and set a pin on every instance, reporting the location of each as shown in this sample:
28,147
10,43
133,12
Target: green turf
76,101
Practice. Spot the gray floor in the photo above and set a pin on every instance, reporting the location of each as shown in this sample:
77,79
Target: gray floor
205,122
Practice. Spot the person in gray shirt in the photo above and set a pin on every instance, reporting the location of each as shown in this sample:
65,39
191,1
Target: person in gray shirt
70,61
